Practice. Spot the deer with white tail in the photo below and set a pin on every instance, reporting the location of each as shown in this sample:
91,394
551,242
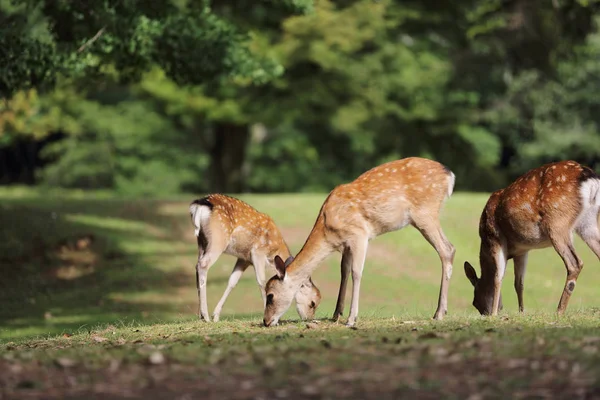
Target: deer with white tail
224,224
386,198
540,209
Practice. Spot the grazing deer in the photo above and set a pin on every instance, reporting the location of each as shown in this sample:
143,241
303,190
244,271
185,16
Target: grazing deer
540,209
227,225
383,199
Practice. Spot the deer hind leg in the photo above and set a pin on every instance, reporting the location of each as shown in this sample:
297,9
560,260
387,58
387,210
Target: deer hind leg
432,232
346,266
520,266
359,253
564,247
238,270
206,258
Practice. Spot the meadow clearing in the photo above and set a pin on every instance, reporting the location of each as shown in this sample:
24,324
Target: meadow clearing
97,299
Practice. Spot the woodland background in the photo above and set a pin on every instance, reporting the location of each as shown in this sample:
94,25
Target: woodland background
142,97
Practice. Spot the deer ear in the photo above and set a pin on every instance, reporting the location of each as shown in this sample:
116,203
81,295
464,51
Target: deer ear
289,260
280,267
471,274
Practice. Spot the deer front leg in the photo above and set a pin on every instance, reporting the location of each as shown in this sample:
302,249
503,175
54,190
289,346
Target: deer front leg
500,260
260,263
238,270
359,253
346,266
520,265
573,264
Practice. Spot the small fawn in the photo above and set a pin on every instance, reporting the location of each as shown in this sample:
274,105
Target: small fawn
227,225
540,209
383,199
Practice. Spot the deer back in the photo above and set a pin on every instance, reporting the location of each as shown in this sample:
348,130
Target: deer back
241,227
387,197
538,204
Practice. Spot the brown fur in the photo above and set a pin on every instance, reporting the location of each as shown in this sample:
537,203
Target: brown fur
238,229
538,210
381,200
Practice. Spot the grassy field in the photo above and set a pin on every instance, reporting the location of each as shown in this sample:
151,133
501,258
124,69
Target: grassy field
97,298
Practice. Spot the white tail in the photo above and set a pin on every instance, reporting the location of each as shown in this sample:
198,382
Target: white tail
223,224
540,209
383,199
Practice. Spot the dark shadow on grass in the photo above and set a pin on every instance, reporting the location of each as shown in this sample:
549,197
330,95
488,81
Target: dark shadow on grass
52,280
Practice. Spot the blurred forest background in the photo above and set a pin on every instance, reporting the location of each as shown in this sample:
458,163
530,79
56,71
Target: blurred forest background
147,97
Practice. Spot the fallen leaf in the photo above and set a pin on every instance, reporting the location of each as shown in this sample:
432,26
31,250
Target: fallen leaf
99,339
310,390
114,365
67,335
311,325
246,385
156,358
517,363
65,362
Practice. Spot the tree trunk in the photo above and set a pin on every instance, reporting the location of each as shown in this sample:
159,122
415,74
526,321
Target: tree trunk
227,157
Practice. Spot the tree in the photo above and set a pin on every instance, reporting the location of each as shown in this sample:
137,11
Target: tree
41,39
194,42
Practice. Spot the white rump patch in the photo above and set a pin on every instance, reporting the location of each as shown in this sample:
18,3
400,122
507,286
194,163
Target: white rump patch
590,193
200,217
451,181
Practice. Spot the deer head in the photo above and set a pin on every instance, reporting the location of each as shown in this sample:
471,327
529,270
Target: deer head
280,291
484,292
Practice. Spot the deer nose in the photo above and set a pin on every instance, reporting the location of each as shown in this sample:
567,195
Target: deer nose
265,322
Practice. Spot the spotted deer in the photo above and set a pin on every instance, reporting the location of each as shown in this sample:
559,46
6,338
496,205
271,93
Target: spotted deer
383,199
224,224
540,209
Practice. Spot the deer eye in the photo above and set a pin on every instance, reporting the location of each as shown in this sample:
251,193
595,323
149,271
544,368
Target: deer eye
270,298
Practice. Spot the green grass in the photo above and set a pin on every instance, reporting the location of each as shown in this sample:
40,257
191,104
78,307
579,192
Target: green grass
89,319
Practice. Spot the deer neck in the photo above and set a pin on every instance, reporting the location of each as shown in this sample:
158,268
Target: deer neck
315,250
488,265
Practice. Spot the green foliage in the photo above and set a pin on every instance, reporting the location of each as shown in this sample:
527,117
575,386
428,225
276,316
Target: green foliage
489,88
189,40
284,161
122,147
